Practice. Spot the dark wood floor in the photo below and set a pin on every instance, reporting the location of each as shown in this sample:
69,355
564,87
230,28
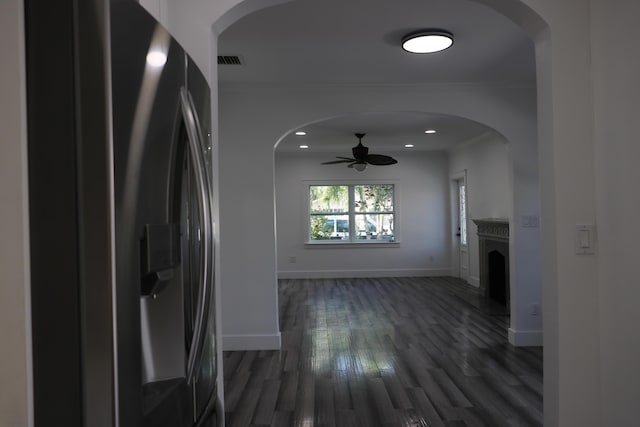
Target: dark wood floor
385,352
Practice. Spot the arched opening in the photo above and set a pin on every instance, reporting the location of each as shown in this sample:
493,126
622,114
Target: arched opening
519,210
426,204
425,164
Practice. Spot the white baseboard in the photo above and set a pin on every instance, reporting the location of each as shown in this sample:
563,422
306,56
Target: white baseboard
334,274
525,338
250,342
474,281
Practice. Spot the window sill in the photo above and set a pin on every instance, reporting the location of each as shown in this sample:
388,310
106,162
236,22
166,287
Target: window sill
366,243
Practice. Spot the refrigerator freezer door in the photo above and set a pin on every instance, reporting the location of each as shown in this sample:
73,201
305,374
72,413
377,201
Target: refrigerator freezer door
163,228
118,355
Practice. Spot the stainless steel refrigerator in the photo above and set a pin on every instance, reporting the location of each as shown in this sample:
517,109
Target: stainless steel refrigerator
121,218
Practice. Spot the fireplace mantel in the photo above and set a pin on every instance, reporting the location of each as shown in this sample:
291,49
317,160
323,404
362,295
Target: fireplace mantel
493,228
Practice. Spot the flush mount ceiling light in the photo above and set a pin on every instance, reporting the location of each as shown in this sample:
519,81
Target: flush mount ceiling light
427,41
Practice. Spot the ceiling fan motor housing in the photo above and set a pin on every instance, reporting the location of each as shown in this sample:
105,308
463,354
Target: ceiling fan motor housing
360,152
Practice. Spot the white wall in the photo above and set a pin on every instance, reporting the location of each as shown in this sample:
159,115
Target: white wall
16,401
570,309
422,218
617,153
489,193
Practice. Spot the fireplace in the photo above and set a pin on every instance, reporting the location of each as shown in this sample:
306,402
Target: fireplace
493,237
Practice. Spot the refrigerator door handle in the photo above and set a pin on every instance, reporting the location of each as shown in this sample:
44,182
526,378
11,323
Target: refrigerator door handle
192,126
209,411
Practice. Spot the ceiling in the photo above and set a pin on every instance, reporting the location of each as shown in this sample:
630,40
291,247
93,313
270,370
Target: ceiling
354,42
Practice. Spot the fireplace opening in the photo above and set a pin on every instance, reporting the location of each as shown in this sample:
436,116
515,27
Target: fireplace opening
497,277
493,239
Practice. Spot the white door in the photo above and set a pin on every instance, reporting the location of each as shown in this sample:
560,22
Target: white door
461,234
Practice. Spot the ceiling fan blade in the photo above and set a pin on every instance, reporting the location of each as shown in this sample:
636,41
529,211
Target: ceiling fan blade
333,162
380,160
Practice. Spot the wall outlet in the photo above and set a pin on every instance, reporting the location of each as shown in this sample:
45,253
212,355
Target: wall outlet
293,259
535,309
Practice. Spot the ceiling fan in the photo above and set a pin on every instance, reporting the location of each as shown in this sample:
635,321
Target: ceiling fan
361,157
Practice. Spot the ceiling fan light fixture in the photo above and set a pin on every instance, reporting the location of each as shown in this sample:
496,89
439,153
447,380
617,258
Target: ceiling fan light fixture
427,41
360,166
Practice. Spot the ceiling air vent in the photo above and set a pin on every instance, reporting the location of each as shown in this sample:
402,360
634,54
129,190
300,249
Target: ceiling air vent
229,60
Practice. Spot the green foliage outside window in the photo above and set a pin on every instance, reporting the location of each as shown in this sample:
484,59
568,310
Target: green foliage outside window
329,198
373,198
320,229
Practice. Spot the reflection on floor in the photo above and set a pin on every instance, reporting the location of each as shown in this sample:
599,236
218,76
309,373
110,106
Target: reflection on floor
385,352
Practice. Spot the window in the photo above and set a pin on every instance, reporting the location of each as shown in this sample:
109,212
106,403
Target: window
463,213
351,213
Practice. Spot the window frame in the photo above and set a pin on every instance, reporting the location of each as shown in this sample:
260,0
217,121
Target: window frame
352,213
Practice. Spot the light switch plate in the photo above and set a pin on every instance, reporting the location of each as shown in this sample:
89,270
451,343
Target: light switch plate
585,239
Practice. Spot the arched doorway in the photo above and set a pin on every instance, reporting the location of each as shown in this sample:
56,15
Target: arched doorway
527,273
520,13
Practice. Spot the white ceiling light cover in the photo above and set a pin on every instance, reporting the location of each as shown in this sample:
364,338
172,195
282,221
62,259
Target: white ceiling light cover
427,41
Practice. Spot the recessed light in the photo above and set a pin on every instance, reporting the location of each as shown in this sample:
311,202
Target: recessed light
427,41
301,133
409,145
430,131
304,146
